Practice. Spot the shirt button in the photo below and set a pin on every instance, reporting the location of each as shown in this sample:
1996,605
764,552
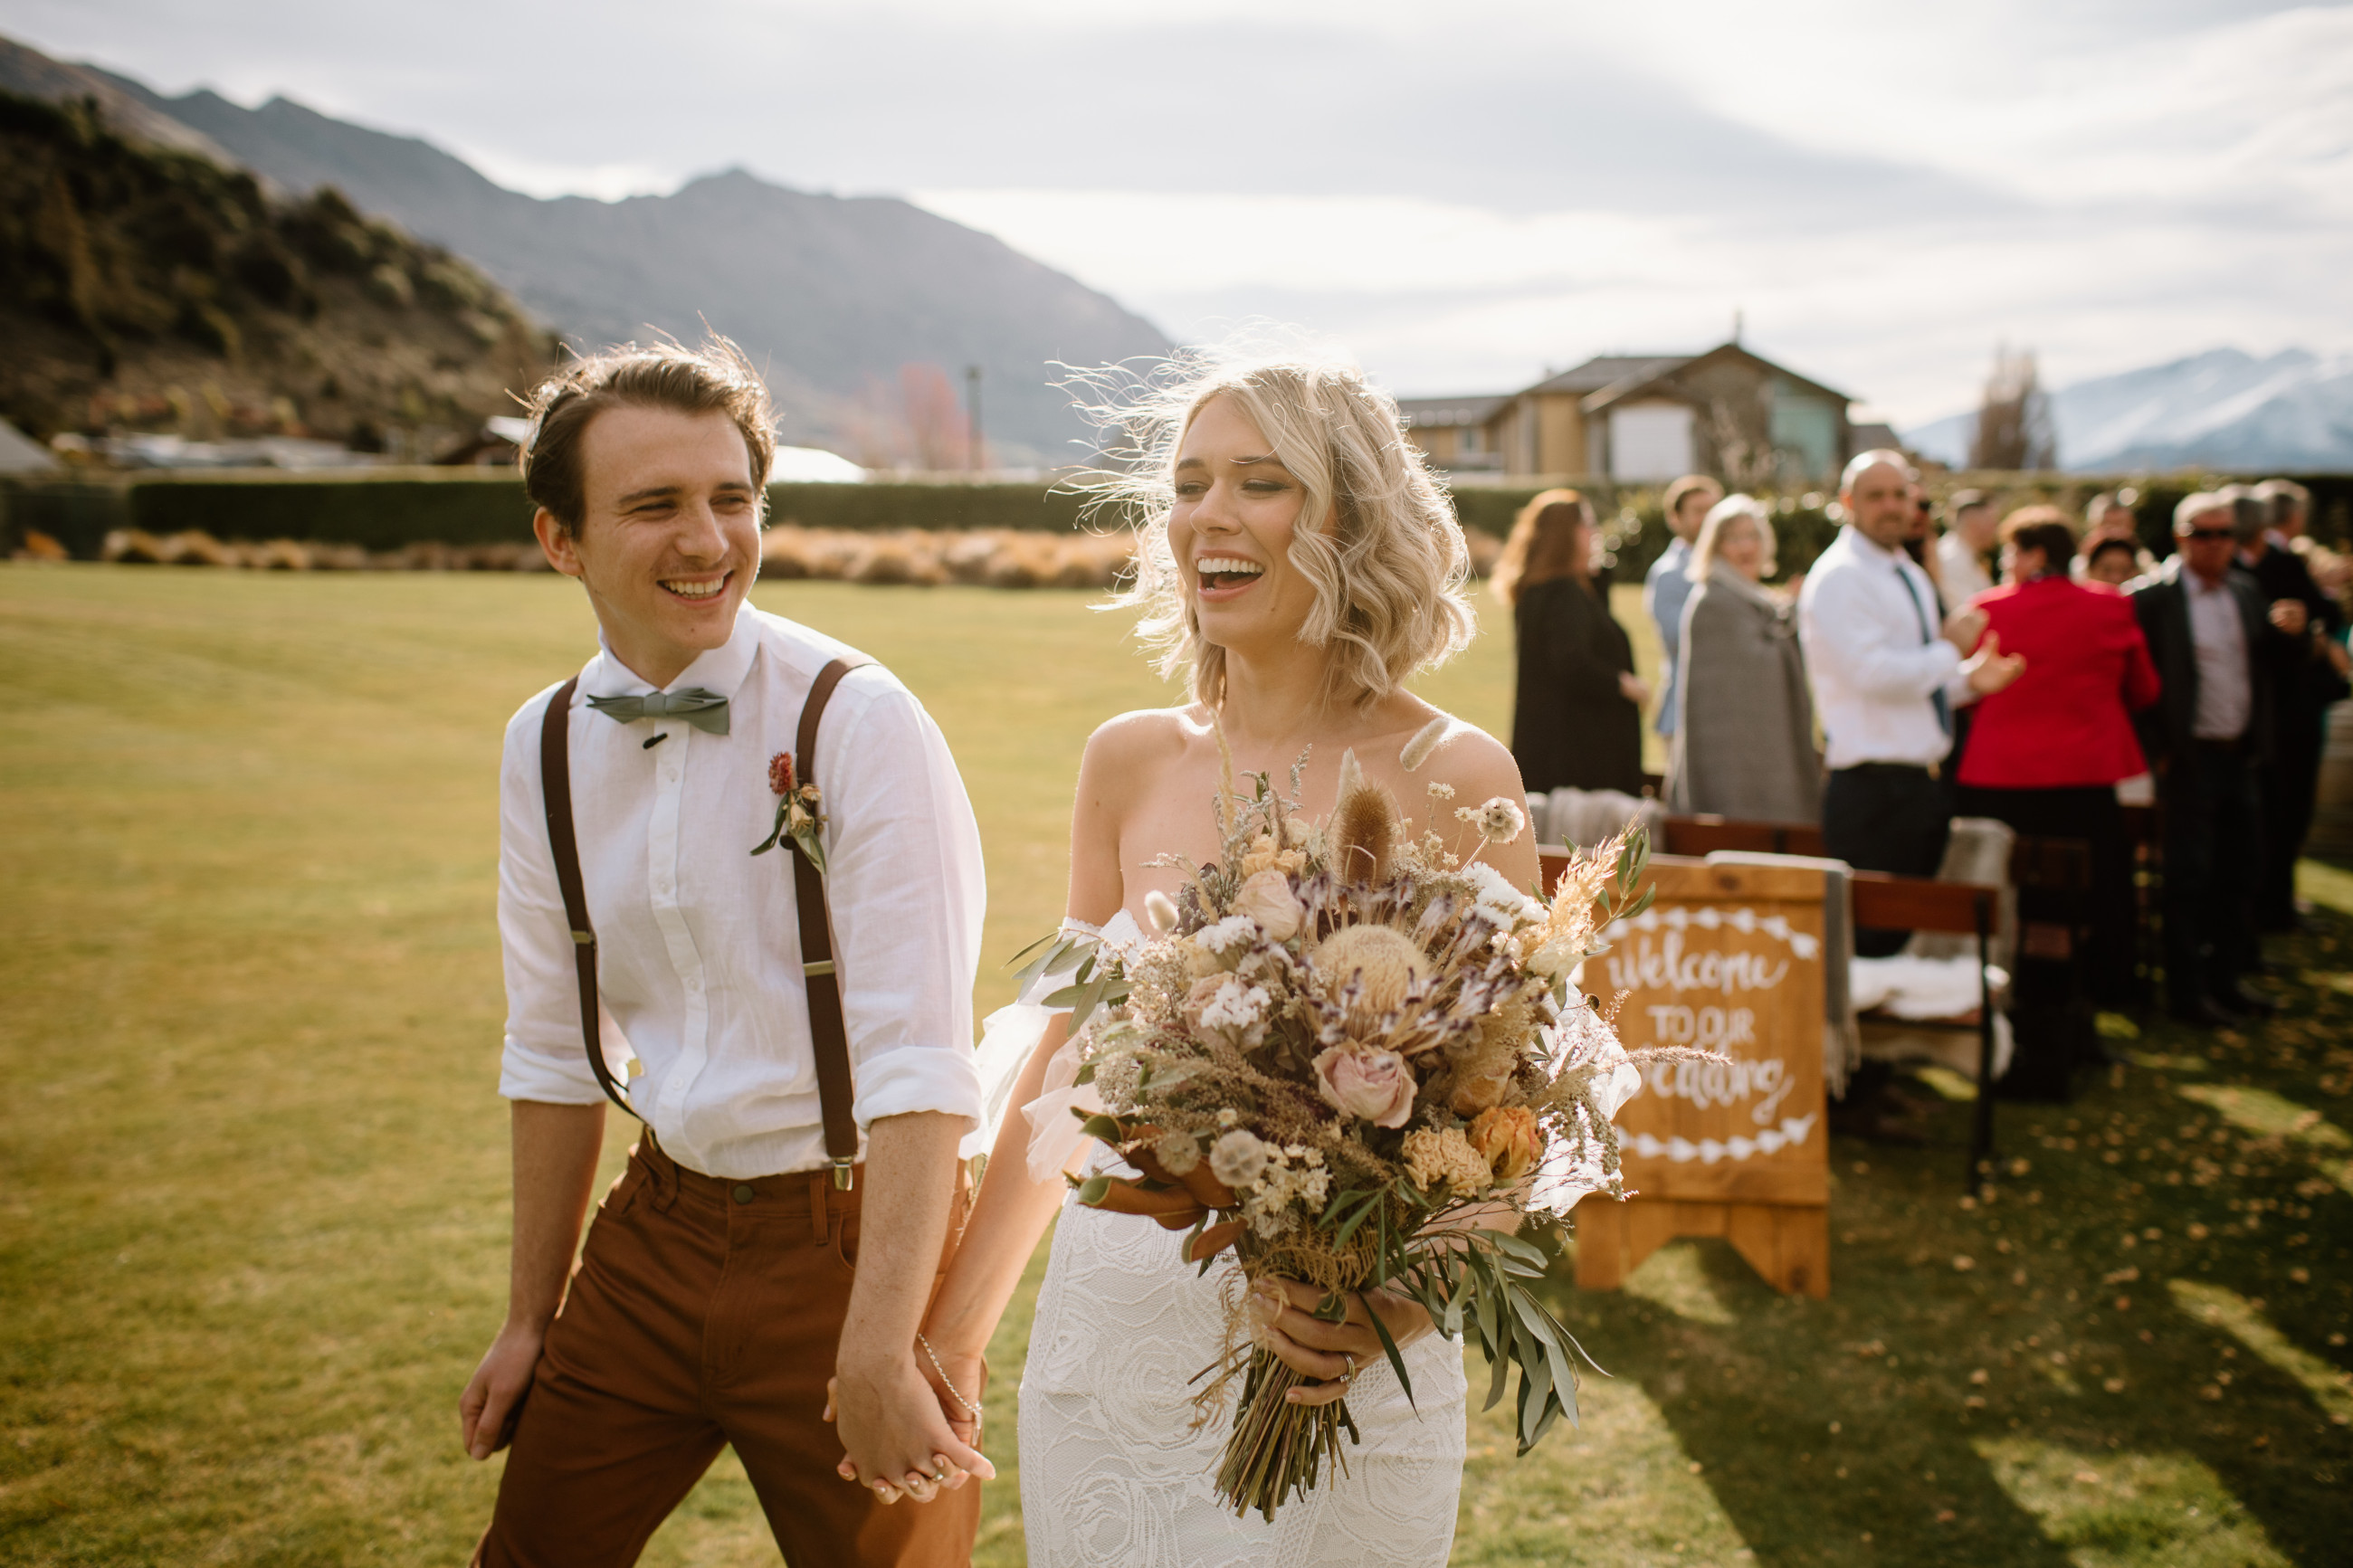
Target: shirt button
694,982
746,1193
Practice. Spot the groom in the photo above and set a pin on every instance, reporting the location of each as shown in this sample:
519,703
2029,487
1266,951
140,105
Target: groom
798,1046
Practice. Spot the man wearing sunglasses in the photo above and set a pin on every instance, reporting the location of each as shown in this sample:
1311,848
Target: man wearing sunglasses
2219,650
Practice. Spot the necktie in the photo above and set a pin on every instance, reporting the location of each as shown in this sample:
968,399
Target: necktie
706,711
1937,698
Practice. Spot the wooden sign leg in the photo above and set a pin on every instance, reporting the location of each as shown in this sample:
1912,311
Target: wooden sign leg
1787,1244
1600,1245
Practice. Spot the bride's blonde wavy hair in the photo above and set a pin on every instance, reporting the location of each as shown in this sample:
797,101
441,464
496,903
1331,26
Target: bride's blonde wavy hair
1388,580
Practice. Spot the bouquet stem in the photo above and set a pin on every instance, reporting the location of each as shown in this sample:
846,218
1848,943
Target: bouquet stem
1277,1447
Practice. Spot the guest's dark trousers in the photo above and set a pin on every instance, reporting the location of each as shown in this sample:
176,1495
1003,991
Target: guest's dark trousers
2090,813
1885,816
2214,829
2289,786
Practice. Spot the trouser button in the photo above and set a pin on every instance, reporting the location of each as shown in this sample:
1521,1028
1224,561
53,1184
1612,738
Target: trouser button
745,1193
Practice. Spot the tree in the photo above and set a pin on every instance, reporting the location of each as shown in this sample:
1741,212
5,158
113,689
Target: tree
2014,432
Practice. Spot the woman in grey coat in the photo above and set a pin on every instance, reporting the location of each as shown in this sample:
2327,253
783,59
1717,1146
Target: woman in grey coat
1744,741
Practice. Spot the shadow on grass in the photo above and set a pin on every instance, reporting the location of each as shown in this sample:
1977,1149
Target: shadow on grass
2135,1352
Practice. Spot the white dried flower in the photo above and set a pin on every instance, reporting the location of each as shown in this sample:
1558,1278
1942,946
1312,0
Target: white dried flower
1238,1008
1222,938
1499,820
1161,911
1238,1158
1504,905
1438,791
1228,1116
1176,1151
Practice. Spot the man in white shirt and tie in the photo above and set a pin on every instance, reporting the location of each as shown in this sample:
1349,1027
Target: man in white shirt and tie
1887,671
804,1081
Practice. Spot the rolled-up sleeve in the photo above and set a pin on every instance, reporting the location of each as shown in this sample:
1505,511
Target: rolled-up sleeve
908,891
544,1057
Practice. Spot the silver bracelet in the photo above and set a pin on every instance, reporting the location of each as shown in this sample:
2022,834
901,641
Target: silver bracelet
969,1407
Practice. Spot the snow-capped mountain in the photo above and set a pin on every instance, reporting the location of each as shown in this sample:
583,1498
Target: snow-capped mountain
2221,409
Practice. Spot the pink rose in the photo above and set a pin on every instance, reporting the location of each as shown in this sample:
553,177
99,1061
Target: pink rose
1266,898
1375,1085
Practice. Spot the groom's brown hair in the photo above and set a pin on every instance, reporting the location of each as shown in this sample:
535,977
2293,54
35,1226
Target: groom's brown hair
714,377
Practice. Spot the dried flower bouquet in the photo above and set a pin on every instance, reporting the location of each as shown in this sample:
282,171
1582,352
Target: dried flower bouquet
1359,1061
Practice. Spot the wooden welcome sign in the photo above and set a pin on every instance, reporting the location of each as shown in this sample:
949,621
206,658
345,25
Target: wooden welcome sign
1727,959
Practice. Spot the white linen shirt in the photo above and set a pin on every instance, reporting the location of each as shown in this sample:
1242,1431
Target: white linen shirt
1874,674
698,941
2219,638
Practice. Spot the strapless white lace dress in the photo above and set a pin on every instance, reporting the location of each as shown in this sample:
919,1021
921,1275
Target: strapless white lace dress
1112,1476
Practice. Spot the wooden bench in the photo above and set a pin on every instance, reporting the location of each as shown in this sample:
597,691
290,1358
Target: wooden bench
1964,909
1701,837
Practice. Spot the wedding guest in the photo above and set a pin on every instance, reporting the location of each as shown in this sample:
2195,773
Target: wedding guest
1669,583
2112,560
2047,751
2216,643
1886,673
2306,684
783,1217
2109,521
1743,735
1576,713
1971,518
1920,538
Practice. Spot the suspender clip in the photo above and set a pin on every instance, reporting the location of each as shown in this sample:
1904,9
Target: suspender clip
583,938
822,966
842,1178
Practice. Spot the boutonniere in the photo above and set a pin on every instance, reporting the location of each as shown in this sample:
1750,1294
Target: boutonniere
796,812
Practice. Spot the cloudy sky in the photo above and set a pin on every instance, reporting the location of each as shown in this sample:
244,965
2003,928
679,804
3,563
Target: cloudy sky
1462,193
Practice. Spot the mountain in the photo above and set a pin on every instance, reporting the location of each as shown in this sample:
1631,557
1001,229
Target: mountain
2222,409
149,286
33,74
834,295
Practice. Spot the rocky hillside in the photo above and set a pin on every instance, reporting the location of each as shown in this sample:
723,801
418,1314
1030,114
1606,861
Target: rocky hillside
149,286
835,297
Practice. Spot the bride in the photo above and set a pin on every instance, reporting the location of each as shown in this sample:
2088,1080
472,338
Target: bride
1300,563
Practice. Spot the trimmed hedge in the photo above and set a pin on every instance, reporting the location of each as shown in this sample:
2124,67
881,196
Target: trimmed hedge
386,509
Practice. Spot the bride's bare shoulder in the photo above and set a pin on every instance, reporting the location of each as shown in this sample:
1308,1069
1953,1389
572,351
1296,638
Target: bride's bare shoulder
1134,744
1462,756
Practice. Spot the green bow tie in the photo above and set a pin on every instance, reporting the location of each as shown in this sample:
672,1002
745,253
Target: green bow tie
706,711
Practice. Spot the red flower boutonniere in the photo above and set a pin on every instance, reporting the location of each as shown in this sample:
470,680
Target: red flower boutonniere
796,812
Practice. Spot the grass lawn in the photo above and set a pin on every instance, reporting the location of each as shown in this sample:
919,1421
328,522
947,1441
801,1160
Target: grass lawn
253,1167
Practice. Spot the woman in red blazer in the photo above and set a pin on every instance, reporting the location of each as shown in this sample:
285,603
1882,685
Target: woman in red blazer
2044,753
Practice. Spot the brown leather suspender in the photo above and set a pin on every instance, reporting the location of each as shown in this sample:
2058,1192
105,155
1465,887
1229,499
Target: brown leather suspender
826,1027
556,788
827,1032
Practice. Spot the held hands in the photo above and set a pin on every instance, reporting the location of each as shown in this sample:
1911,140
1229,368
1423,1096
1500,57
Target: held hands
1284,1313
1989,669
2290,616
896,1428
1634,690
494,1394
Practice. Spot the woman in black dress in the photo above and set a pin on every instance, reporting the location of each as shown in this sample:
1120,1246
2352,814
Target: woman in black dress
1577,720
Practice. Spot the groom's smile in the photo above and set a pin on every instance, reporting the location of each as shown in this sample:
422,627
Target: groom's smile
668,540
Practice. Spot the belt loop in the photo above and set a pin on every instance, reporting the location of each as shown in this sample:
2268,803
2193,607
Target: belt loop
663,1169
821,1231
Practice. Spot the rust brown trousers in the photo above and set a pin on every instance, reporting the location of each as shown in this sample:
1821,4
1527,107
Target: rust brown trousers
703,1313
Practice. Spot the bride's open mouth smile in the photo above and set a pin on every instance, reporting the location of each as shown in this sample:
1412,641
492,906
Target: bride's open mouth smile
1221,577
